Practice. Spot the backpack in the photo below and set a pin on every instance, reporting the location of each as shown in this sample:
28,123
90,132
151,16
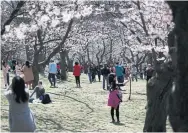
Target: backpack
46,99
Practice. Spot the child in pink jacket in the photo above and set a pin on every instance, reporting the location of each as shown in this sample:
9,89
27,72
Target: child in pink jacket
114,100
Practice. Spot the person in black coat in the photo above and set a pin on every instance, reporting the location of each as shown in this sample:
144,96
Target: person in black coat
105,72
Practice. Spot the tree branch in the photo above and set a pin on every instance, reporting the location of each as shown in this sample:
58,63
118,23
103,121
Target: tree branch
14,12
58,48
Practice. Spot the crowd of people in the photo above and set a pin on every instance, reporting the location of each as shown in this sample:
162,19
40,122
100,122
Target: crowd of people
18,95
122,73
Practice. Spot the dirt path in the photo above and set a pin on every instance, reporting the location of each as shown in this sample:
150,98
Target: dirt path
85,109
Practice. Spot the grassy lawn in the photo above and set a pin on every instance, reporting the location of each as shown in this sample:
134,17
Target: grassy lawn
84,109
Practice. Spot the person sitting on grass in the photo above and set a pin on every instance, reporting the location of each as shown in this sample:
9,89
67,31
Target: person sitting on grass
39,90
114,99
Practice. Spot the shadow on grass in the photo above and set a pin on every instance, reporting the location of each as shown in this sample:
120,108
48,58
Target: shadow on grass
54,122
119,124
87,105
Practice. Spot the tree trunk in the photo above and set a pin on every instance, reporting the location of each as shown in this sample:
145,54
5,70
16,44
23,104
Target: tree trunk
158,89
178,107
63,65
35,70
42,57
69,63
28,53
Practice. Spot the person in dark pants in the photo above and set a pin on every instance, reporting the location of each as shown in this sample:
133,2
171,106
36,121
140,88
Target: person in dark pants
90,69
94,71
99,73
149,72
77,73
52,73
105,72
14,66
114,99
52,79
119,73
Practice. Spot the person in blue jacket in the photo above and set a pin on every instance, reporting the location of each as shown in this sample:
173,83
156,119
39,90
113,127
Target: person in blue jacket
119,73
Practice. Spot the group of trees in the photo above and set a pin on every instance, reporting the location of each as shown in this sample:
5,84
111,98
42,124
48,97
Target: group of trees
99,32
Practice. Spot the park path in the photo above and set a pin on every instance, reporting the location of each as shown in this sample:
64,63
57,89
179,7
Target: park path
85,109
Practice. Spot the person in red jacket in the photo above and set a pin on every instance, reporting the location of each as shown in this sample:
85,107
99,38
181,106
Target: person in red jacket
77,73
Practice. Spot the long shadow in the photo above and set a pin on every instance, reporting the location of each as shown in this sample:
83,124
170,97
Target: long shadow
92,110
137,93
59,127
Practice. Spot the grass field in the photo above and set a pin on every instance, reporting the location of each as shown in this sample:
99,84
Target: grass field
84,109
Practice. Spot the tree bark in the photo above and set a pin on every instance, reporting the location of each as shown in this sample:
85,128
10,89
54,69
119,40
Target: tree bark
178,107
69,63
63,65
12,16
158,90
57,49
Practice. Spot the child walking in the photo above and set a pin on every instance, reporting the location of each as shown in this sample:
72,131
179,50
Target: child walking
114,99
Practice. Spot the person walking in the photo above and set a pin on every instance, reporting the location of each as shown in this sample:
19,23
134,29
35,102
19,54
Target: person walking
134,73
105,72
119,73
28,74
114,99
18,69
5,68
90,69
94,72
58,71
52,73
21,118
99,73
14,66
77,73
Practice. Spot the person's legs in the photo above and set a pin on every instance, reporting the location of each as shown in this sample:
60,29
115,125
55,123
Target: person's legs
5,79
103,82
89,75
49,78
136,78
117,113
93,77
79,81
133,77
119,79
107,82
53,78
122,79
76,79
8,79
112,114
99,77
